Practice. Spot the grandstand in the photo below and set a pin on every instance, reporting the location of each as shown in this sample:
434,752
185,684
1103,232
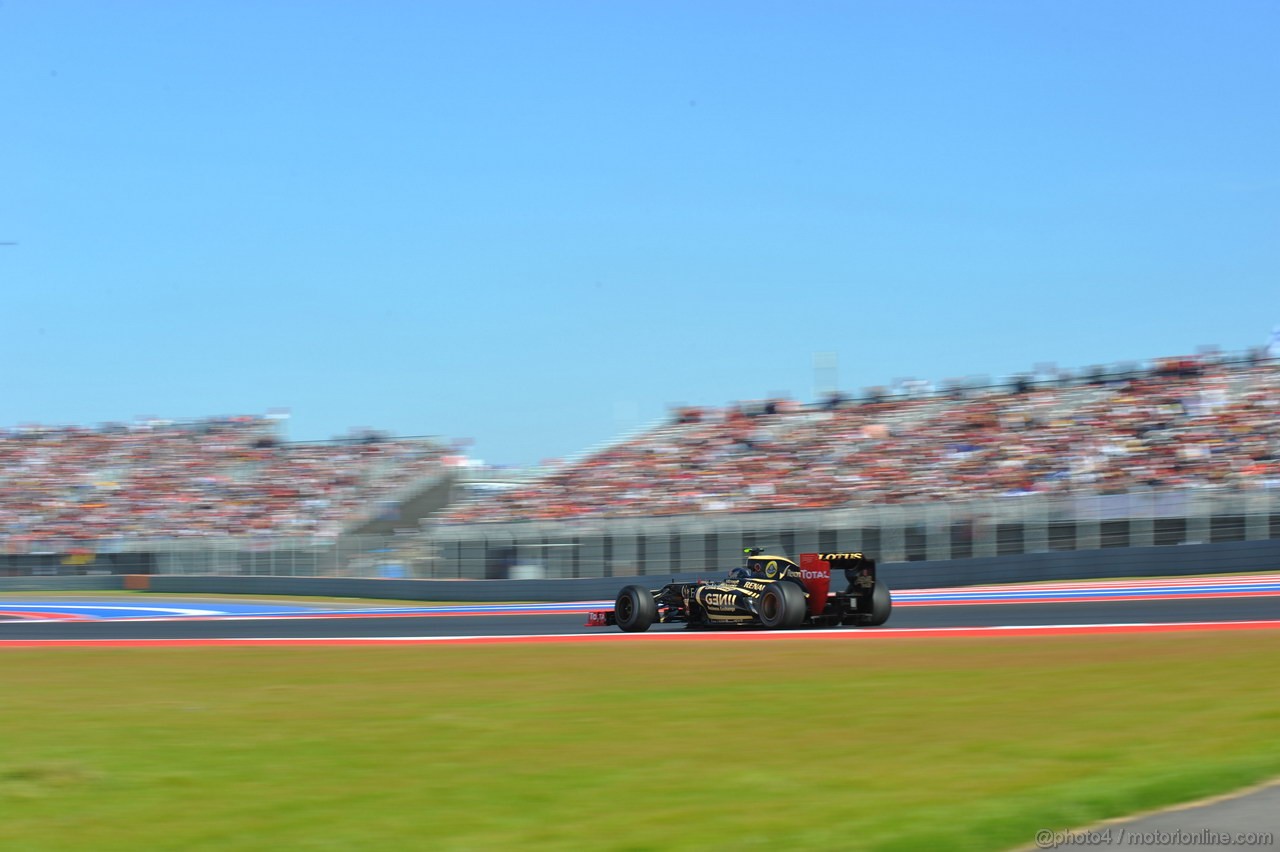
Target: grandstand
1184,423
210,478
1175,451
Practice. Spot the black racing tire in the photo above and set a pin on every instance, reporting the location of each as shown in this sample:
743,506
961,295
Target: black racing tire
881,607
782,606
635,609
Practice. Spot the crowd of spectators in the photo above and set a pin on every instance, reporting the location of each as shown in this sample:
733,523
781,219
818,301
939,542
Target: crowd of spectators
215,477
1200,422
1191,423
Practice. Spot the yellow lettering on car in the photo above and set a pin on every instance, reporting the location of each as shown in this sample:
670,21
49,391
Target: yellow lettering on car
719,600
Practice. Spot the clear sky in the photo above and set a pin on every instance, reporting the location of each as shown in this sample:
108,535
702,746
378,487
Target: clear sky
539,224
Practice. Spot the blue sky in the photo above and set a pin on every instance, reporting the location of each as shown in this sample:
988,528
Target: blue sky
537,225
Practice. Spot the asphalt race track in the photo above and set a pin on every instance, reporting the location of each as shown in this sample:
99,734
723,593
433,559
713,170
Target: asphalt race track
1242,600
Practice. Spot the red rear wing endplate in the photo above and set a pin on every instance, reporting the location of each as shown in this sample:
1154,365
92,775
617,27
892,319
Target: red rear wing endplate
816,574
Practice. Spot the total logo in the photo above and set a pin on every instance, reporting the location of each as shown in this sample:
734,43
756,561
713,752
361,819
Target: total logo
813,575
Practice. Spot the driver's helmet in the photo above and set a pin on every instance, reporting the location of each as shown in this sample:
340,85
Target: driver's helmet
744,572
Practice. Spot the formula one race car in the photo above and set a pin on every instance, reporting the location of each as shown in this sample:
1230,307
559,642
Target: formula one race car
770,591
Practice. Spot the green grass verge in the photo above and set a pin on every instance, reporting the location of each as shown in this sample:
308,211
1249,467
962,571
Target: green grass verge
822,744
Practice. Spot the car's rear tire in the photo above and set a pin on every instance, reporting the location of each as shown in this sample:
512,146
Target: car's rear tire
881,607
782,606
635,609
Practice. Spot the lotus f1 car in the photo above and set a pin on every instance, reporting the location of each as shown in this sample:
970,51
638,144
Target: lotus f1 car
771,591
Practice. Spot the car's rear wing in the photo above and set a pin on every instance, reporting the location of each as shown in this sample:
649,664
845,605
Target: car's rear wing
815,571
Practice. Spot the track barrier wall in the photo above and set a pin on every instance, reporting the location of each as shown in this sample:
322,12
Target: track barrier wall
1231,557
1006,539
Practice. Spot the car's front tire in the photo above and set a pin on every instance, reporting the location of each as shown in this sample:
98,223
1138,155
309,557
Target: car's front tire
635,609
782,606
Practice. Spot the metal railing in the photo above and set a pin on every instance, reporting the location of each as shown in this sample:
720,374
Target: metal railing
393,556
936,532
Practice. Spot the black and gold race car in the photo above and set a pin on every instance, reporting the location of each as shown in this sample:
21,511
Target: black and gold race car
770,591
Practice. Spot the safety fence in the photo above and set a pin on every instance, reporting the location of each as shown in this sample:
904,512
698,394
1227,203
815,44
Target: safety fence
941,532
